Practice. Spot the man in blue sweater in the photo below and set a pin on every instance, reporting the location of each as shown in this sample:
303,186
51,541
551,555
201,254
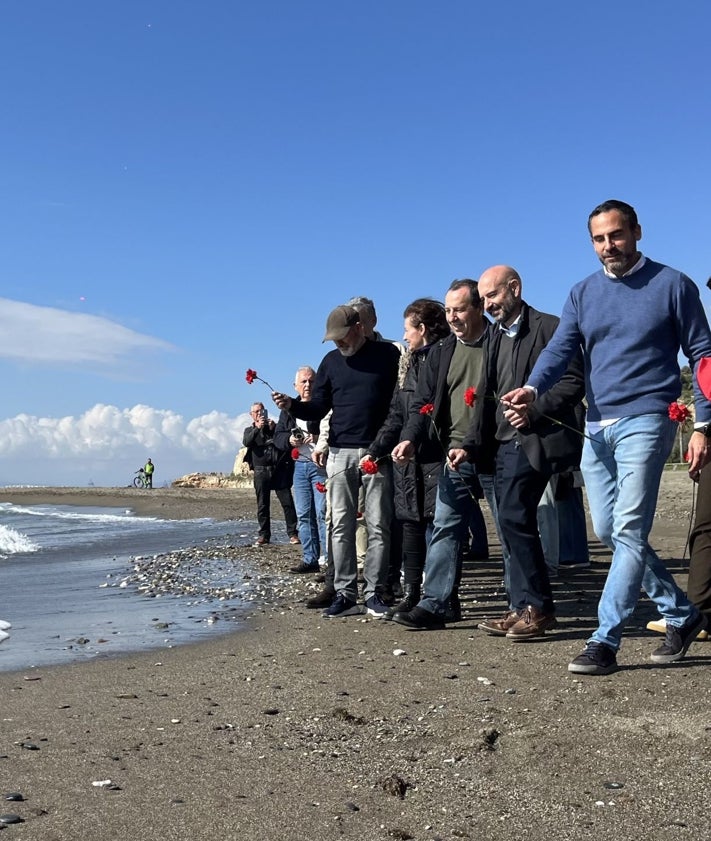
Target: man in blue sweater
631,318
355,381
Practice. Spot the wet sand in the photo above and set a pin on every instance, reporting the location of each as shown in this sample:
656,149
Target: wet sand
301,727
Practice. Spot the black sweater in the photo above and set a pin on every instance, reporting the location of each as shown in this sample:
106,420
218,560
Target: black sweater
358,388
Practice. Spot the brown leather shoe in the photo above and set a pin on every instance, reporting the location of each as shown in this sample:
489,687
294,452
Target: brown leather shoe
533,623
294,540
499,627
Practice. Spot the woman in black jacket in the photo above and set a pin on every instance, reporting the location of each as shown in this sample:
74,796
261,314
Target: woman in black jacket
415,482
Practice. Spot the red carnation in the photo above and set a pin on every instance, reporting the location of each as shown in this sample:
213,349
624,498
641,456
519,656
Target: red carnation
320,487
470,396
687,457
679,412
369,467
427,409
252,375
295,453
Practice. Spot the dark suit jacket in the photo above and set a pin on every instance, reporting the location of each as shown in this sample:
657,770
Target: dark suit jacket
547,444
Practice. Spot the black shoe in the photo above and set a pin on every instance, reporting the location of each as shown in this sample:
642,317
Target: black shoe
405,606
303,569
420,619
678,639
596,659
321,600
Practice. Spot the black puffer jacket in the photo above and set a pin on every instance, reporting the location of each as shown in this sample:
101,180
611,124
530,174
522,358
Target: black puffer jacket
415,483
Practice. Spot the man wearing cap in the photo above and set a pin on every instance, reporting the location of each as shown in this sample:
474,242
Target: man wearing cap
355,382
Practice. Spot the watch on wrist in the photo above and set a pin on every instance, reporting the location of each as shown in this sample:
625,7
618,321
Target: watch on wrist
705,430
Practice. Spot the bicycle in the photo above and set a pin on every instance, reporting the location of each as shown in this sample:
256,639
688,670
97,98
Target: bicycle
140,480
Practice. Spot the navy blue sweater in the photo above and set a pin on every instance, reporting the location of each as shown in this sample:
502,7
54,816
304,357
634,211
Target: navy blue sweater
358,388
630,330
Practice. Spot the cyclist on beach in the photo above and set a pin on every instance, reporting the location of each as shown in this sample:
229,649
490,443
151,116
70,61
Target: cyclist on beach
148,470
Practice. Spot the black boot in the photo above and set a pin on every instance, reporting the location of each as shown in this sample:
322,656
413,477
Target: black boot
453,613
411,596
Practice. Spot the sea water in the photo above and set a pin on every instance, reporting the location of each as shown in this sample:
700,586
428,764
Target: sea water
60,568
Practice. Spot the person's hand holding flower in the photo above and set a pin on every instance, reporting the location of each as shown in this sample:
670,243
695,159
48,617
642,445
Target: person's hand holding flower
456,456
369,465
281,401
516,405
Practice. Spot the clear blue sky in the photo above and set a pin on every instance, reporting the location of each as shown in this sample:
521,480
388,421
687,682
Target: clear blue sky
188,189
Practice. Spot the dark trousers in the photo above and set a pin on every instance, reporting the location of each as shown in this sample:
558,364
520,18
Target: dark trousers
414,550
263,489
699,585
519,489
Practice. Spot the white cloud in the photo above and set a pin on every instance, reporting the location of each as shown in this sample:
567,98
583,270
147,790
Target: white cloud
44,334
105,443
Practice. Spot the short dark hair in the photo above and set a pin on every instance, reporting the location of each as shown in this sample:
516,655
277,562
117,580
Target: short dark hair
429,312
473,288
625,209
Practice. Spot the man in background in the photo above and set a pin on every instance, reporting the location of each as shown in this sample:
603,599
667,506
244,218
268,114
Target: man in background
273,471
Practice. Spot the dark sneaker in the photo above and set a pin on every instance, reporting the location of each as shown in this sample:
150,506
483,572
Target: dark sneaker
501,626
678,640
420,619
321,600
374,606
341,606
305,569
596,659
659,626
533,623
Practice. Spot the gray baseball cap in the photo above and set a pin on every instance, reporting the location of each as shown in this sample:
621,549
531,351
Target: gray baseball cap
339,322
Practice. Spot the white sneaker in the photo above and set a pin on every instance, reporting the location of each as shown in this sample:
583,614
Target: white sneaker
4,636
4,626
659,626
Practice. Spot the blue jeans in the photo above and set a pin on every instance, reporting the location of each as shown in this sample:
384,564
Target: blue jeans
451,523
622,466
344,480
310,510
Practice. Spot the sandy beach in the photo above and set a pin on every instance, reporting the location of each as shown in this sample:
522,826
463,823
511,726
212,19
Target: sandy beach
354,728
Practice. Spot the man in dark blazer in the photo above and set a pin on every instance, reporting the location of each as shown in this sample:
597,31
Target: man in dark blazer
525,459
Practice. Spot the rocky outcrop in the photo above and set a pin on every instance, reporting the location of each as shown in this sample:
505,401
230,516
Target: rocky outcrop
241,477
211,480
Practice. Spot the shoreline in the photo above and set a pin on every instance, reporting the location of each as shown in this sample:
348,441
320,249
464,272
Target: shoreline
356,728
167,503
